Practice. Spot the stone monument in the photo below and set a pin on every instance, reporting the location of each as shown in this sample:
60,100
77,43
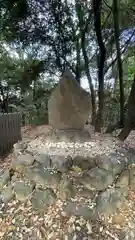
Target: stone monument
69,107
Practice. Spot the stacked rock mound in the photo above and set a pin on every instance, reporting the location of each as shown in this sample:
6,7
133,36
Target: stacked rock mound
101,185
69,108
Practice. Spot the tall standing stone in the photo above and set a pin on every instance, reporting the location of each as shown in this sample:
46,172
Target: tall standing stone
69,105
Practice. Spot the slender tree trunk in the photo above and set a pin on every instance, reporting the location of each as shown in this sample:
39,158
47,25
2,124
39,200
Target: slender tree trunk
97,4
78,60
35,98
83,28
34,90
130,117
23,114
119,61
86,62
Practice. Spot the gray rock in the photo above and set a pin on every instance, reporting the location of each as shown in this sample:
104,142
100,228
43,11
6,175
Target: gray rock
42,199
19,146
4,177
69,105
22,162
78,210
86,193
110,200
97,179
69,135
14,178
44,159
26,159
122,151
7,194
118,159
16,166
22,190
61,163
114,163
84,162
132,178
130,154
44,177
66,189
123,180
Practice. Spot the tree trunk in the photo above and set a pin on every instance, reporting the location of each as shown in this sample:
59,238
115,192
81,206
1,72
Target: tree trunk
93,101
112,128
83,28
126,130
130,118
78,60
97,4
119,61
23,113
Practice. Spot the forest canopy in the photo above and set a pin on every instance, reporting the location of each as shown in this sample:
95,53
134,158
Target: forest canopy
94,39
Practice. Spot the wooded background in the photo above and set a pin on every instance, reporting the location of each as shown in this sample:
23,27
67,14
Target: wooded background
95,39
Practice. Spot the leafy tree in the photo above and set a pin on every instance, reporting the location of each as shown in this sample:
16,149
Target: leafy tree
87,37
97,5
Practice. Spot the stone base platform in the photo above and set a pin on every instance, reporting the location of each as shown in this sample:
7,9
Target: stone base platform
69,135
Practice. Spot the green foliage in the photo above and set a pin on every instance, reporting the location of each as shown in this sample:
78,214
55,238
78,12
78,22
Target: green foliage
131,69
21,76
40,39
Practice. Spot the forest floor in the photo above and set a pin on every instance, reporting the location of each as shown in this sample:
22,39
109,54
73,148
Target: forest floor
120,226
